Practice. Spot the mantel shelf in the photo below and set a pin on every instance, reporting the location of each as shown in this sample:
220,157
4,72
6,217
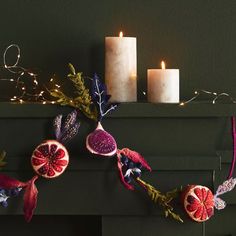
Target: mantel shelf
125,110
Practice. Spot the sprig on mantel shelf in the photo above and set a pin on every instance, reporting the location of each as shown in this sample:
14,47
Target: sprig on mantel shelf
82,100
2,157
162,199
101,98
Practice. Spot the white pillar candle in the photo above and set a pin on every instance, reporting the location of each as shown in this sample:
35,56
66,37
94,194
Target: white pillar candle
121,68
163,85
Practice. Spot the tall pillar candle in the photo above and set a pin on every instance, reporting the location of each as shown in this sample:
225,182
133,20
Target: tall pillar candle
121,68
163,85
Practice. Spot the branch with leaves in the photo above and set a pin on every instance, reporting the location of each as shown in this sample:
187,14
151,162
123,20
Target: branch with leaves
101,98
163,200
82,100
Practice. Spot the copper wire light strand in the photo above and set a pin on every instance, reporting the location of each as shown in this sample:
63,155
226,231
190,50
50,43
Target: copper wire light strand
215,96
20,85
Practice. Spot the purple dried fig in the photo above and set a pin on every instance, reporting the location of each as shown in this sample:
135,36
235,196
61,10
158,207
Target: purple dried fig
100,142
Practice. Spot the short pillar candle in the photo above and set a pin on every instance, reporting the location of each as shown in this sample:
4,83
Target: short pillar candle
163,85
121,68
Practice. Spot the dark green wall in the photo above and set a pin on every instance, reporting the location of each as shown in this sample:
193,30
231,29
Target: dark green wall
197,36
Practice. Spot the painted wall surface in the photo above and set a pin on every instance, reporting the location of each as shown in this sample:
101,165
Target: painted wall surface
196,36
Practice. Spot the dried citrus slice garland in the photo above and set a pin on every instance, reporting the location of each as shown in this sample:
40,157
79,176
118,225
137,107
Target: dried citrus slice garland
49,160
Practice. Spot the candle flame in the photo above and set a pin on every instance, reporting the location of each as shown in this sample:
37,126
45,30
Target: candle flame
121,34
163,65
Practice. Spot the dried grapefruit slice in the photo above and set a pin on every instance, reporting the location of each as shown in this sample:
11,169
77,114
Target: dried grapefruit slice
198,202
50,159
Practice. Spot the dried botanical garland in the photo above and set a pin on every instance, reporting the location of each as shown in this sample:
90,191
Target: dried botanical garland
99,142
198,201
94,104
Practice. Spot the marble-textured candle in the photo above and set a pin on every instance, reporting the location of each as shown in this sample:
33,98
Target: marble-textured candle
121,68
163,85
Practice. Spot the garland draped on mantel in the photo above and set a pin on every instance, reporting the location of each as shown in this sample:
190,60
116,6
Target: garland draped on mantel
50,158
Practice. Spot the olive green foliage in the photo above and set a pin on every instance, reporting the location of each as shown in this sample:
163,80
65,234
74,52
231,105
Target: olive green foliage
162,199
81,99
2,157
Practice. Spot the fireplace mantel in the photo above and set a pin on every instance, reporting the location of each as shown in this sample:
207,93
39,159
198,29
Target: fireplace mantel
125,110
183,144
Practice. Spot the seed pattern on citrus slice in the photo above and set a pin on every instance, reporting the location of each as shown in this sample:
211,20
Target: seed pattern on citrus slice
50,159
198,202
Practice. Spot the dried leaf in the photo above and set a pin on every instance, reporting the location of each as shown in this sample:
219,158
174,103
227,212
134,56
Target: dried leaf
227,186
70,133
171,195
70,120
119,166
30,199
7,182
175,216
100,98
162,199
219,203
66,131
57,126
135,157
72,69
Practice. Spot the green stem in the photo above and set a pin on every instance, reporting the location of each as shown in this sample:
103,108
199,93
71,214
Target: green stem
162,199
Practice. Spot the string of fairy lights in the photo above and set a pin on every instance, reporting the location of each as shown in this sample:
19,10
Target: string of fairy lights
214,97
22,77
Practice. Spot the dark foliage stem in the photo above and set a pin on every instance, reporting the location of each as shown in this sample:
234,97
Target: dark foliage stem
100,102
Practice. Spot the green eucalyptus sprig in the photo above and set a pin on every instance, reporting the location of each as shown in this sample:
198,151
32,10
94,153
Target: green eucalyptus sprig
163,200
82,100
2,158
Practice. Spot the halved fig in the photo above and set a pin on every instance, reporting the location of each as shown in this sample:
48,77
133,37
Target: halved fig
100,142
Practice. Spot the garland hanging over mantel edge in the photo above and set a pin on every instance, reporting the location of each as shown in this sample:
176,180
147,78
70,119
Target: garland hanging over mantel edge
51,158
